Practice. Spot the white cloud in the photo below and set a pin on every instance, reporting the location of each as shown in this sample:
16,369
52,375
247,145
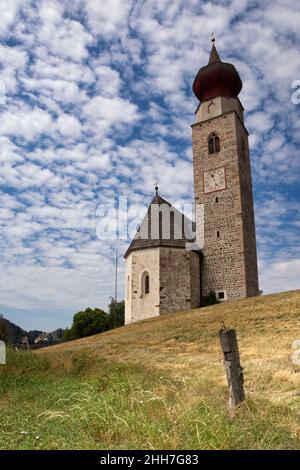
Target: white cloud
9,152
285,16
260,122
109,82
12,60
97,162
47,66
63,37
280,276
68,126
108,16
107,112
63,91
99,102
9,10
25,123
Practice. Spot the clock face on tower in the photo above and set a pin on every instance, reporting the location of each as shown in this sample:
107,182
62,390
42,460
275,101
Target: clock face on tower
214,180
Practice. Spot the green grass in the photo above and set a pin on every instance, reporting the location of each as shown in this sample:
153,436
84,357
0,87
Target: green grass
99,405
160,384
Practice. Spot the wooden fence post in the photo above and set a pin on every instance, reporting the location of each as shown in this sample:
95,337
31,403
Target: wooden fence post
233,368
68,362
2,352
24,340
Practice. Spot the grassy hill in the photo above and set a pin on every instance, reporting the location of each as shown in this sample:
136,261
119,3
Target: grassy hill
160,384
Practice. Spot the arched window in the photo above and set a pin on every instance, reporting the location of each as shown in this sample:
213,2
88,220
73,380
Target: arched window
213,144
145,283
147,286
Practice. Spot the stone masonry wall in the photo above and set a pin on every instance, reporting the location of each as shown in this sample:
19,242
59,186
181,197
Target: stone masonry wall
174,275
179,280
224,260
140,306
195,279
128,289
252,287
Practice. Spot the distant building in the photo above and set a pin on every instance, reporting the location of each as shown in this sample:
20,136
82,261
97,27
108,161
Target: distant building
42,338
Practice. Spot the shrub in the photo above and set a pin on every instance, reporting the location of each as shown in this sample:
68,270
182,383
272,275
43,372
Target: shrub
210,299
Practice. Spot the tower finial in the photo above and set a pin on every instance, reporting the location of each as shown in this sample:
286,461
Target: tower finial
156,186
214,56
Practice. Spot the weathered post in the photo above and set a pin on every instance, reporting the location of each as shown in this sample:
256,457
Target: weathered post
68,362
233,368
2,352
25,341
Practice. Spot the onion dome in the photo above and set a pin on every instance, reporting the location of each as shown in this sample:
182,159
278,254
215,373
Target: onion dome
217,78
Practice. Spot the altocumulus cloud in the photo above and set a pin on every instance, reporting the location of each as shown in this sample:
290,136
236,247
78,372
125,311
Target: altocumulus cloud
98,102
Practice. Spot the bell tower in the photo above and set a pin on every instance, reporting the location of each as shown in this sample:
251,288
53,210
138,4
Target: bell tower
222,181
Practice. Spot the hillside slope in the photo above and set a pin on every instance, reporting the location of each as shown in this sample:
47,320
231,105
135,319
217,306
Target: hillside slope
187,343
160,384
12,334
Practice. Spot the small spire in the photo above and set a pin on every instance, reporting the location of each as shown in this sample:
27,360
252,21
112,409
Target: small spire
156,186
214,56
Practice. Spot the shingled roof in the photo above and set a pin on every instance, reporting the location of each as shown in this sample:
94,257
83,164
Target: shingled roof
163,225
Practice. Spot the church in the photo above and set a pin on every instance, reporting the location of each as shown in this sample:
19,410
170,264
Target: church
172,262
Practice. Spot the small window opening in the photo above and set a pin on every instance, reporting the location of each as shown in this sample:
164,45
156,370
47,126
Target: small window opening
221,295
213,144
147,285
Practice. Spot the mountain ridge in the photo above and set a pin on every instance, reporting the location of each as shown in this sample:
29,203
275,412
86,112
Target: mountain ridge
14,334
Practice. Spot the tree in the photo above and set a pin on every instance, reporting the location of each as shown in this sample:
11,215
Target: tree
210,299
116,313
87,323
68,334
3,330
92,321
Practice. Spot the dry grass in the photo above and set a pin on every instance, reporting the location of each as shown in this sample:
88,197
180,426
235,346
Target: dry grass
186,344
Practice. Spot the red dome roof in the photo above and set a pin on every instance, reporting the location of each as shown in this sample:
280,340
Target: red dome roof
217,78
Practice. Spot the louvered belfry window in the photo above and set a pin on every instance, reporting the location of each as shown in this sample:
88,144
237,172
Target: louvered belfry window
213,144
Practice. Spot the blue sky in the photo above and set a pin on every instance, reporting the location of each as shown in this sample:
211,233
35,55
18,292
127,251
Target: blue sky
98,103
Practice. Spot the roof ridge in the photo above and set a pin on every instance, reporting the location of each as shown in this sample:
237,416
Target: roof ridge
158,199
163,225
